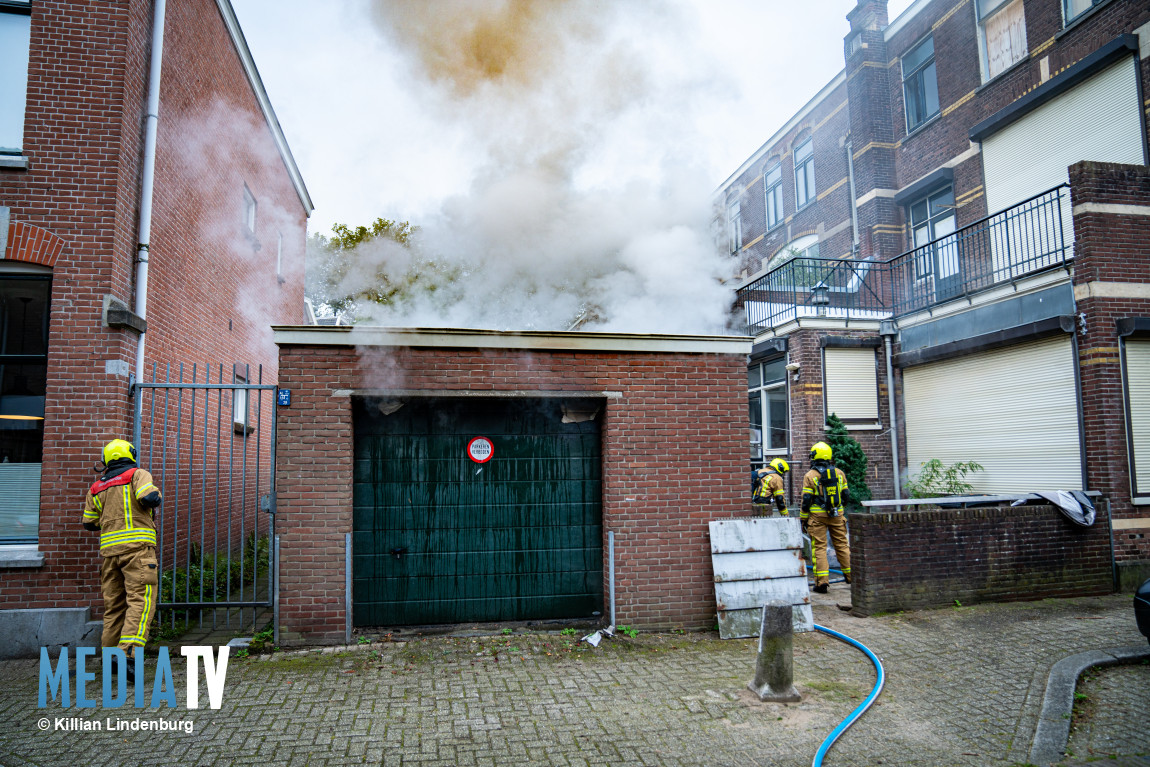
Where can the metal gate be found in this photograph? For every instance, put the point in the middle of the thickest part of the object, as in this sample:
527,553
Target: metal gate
207,435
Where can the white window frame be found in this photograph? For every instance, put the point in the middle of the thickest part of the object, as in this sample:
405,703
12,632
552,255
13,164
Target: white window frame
764,412
924,261
1067,19
1134,392
14,88
919,72
998,7
806,246
734,227
807,169
773,193
241,412
860,396
249,210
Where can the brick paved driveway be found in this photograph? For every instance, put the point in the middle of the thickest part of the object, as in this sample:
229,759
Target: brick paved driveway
964,686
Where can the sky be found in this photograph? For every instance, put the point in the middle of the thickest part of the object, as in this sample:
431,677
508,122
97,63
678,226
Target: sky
372,139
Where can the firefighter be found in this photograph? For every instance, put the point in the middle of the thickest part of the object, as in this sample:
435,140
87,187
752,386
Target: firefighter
769,486
824,493
120,505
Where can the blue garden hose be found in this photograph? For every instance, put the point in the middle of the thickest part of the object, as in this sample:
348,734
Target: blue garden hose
854,715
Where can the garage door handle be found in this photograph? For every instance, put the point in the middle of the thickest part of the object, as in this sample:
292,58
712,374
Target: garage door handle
399,552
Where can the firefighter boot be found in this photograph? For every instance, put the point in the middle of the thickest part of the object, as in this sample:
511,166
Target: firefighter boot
130,667
822,588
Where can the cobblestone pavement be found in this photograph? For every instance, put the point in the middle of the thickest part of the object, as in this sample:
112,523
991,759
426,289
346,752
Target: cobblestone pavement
1113,719
964,686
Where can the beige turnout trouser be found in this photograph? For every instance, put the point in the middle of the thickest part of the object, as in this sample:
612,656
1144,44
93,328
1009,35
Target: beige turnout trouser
819,525
129,583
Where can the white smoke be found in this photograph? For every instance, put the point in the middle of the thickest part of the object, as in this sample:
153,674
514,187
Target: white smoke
547,237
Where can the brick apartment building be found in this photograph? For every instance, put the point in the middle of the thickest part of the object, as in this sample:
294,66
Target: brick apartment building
227,232
965,206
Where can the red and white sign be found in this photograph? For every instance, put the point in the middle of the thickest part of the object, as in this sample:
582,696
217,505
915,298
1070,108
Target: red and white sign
480,450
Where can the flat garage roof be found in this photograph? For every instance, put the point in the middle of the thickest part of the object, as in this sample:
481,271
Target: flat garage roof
574,341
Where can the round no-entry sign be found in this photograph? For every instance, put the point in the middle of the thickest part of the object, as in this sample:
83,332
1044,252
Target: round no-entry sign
480,449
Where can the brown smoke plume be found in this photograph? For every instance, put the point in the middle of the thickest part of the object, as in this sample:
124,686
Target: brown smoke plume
547,236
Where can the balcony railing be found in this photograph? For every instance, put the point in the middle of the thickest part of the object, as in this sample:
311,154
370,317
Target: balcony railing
1034,236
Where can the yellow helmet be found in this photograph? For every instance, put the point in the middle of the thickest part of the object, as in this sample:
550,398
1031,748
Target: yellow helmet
779,465
117,449
820,451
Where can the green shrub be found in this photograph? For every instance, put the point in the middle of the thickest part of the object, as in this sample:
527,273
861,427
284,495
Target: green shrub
214,574
848,456
937,479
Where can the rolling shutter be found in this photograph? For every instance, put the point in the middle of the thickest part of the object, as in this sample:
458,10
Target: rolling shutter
1013,410
1138,401
851,388
1098,119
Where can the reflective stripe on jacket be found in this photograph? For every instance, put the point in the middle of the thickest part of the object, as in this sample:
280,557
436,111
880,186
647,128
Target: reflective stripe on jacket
114,506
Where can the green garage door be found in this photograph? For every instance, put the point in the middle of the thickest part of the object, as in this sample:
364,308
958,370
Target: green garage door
440,537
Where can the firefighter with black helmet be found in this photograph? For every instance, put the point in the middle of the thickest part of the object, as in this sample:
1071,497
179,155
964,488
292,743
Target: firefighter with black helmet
768,485
120,505
824,493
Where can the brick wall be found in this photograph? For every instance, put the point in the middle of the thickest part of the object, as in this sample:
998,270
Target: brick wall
1111,282
674,458
922,559
808,419
87,86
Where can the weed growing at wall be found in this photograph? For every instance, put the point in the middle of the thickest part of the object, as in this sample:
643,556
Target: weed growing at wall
213,577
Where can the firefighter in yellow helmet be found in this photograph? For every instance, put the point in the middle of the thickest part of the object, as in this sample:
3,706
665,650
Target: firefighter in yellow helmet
120,505
768,484
824,493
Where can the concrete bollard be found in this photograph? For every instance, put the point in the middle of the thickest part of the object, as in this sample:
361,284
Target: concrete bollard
775,671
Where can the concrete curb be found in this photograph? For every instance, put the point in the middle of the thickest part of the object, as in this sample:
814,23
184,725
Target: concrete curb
1053,730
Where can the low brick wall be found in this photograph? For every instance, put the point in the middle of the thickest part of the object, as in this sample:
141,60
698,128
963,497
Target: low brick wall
921,559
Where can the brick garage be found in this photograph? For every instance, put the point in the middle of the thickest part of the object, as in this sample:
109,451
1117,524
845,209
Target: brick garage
920,559
673,450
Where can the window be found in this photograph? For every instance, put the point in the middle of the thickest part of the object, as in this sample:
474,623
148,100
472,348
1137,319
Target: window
930,219
15,32
919,84
773,184
1072,9
767,394
1136,358
734,227
1002,35
803,247
850,383
240,416
804,173
249,210
24,302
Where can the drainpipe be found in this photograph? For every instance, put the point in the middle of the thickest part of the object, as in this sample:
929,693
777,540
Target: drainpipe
147,181
886,330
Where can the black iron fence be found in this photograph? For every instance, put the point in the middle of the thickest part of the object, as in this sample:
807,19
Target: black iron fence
816,287
1034,236
207,435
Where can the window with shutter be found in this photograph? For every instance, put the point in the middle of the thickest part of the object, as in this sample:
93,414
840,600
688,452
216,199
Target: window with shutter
850,386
